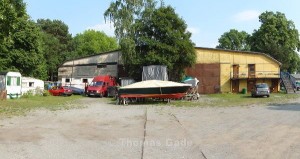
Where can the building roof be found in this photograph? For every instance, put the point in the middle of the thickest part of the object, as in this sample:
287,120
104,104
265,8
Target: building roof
246,52
205,48
102,53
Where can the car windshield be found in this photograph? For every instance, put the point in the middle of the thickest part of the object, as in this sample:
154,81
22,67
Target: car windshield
262,86
98,83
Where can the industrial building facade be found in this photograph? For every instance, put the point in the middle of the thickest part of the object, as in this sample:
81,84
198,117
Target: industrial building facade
79,71
222,71
218,71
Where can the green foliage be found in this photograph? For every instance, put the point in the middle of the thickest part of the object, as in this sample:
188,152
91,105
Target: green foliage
19,41
234,40
278,37
165,40
91,42
150,35
56,44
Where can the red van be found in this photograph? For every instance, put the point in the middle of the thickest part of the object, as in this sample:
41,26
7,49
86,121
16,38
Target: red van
99,85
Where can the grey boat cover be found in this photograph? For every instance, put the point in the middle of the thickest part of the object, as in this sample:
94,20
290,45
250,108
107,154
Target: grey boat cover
155,72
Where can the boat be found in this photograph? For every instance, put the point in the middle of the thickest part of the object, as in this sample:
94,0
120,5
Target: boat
154,89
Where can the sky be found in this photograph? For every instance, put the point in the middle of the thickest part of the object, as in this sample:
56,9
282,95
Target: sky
206,20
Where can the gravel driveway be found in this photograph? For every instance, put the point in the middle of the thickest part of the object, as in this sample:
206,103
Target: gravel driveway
102,130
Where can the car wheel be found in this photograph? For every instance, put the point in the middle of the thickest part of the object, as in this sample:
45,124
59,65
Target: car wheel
268,96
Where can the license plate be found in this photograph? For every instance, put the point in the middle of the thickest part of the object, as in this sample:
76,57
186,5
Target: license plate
92,94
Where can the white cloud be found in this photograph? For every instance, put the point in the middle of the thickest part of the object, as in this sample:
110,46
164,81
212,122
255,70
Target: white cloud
247,15
107,28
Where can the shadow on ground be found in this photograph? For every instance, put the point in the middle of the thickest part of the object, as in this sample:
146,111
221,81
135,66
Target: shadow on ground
287,106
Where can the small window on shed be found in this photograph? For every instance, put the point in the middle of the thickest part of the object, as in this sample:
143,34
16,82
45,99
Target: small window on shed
84,80
18,81
31,84
67,79
8,81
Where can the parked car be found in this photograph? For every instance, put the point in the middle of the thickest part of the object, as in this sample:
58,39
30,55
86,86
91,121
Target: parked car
75,90
260,90
298,86
60,91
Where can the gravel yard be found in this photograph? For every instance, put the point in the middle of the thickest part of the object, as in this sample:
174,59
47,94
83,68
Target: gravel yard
103,130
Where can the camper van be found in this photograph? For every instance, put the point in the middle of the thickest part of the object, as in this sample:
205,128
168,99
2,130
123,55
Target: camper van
99,85
10,82
32,85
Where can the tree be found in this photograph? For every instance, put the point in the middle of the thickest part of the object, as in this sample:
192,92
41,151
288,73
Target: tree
150,35
57,44
19,41
91,42
164,40
279,38
234,40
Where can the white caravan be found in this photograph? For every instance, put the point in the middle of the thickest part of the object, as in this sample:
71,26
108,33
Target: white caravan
32,85
11,83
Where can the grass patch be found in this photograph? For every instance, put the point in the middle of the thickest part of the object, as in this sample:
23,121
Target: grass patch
20,106
225,100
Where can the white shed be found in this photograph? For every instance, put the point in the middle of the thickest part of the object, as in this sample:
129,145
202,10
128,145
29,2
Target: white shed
32,85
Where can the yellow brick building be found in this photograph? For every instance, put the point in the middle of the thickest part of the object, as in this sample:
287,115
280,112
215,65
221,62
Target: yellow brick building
221,71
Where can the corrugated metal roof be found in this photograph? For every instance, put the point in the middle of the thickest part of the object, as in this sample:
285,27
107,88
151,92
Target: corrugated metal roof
246,52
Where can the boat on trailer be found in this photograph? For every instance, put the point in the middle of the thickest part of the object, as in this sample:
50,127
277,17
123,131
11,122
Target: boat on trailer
154,89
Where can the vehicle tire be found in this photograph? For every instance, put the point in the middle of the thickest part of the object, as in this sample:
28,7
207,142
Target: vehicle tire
101,95
268,96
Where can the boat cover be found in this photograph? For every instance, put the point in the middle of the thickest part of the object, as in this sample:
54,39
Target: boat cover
154,84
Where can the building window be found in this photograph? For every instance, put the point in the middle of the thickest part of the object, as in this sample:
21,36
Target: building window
13,81
31,84
251,70
67,79
84,80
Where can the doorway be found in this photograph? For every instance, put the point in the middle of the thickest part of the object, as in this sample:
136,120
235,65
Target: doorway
235,71
250,85
235,86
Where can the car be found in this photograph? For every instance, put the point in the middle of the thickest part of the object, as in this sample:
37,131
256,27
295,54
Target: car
60,91
75,90
260,90
298,86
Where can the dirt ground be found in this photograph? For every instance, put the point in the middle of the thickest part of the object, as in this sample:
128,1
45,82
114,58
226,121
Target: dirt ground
103,130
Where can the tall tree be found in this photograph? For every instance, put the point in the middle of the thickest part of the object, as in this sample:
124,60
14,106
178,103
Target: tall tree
163,39
56,43
91,42
279,38
19,41
234,40
150,35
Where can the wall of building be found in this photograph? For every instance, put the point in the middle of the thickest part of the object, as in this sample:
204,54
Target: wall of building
265,67
74,72
208,76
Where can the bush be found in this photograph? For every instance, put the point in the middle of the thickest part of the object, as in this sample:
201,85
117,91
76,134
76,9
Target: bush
28,94
46,93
